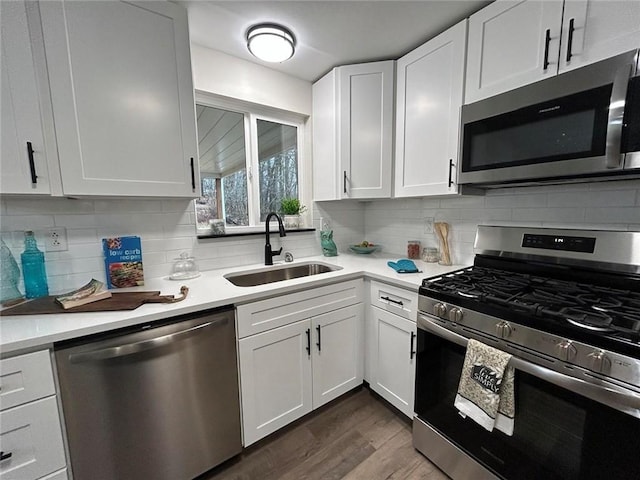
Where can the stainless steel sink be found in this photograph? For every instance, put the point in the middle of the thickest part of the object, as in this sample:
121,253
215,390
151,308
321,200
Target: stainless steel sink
278,274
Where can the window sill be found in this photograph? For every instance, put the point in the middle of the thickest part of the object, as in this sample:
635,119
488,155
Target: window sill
252,233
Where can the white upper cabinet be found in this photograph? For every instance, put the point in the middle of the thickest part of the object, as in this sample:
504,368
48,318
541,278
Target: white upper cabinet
25,145
352,132
508,44
122,94
514,43
430,86
594,30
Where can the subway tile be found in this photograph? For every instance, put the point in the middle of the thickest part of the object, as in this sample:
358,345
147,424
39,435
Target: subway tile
511,201
128,206
567,215
589,198
39,206
613,215
27,222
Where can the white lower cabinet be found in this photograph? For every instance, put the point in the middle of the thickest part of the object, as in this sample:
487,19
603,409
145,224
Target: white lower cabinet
275,373
287,371
30,432
391,338
393,366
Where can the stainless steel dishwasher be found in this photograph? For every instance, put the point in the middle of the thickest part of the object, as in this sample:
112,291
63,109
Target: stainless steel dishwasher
158,401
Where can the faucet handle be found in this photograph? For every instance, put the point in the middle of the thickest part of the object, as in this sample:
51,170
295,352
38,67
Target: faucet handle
276,252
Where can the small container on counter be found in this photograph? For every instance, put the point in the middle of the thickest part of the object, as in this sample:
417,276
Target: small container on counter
430,254
413,249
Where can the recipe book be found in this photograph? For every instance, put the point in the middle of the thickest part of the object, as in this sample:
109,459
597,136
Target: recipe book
123,261
91,292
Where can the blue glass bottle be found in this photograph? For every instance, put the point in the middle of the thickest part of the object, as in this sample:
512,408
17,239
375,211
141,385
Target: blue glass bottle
35,276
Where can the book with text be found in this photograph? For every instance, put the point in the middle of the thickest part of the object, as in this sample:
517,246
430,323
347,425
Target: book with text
91,292
123,261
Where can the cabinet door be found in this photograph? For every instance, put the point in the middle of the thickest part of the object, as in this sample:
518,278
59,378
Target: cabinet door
22,116
508,46
122,94
337,346
275,378
365,129
594,30
393,364
429,97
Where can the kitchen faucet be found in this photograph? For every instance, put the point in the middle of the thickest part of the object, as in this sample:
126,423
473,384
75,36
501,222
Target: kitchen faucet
268,253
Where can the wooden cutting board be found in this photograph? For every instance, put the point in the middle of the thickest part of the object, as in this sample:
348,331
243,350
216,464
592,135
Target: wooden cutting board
118,301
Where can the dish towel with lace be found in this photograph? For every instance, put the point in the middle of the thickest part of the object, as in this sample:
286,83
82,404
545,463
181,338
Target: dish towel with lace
486,389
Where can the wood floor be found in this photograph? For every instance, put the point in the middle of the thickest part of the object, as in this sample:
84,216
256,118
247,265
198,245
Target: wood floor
355,437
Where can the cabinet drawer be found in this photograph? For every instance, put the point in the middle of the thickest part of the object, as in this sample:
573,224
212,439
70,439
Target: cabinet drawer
393,299
25,378
31,434
278,311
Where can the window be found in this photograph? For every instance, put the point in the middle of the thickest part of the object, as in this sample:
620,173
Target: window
250,159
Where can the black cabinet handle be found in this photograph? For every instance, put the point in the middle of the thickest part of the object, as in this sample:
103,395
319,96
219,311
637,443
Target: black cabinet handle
547,40
344,182
193,175
397,302
32,163
450,172
5,456
309,341
570,39
412,352
319,339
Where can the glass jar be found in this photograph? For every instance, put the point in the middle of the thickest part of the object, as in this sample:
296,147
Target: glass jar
430,254
413,249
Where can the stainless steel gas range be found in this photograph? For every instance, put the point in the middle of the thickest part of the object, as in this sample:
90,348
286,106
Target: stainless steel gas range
566,305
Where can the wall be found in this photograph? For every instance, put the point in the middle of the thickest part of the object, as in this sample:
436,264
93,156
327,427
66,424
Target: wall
605,205
223,74
166,228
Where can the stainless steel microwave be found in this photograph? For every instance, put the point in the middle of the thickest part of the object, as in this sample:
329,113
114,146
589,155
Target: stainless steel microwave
575,126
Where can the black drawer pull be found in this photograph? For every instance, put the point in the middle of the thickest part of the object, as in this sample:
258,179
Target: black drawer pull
411,350
309,341
547,40
450,172
397,302
32,163
344,182
5,456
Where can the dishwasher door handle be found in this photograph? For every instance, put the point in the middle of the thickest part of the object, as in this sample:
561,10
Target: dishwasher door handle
136,347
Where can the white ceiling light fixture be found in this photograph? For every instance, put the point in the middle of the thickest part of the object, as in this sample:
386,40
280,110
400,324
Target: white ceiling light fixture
271,42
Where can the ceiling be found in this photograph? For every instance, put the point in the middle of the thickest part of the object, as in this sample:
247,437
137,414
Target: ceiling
328,33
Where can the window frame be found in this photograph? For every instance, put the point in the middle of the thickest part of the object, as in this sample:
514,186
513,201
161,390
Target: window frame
252,113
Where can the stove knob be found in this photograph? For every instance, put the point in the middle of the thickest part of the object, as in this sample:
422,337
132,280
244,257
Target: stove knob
599,362
439,310
503,329
455,315
566,351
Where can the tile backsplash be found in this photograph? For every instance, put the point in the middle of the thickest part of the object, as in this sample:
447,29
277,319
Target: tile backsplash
600,205
167,227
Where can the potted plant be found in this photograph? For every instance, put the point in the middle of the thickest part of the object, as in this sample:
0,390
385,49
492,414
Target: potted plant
291,209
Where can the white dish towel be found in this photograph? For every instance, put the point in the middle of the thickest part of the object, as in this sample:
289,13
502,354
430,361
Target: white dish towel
486,390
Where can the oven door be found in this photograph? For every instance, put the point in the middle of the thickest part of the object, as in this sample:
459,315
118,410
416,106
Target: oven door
559,434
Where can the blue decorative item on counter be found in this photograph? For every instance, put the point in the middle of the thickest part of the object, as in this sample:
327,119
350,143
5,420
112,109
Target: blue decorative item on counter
33,271
329,248
404,265
9,275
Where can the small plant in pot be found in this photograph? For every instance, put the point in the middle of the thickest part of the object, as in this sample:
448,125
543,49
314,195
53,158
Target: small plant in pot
292,209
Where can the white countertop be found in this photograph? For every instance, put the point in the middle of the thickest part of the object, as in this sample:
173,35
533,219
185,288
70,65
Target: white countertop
28,332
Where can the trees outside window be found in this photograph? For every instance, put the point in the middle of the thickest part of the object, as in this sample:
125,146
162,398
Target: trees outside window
249,162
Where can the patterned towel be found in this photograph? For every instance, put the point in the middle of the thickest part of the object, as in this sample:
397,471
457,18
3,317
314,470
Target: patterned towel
486,390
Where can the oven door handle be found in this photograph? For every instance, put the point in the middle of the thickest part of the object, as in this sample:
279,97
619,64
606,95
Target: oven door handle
608,394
